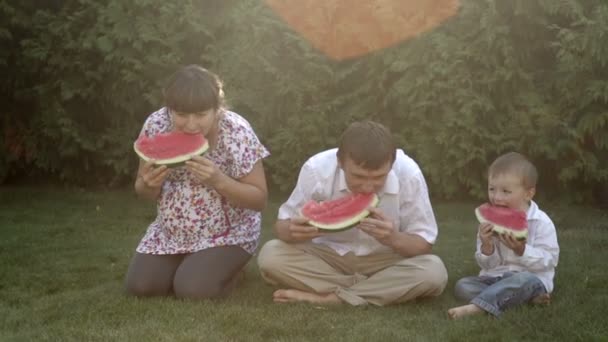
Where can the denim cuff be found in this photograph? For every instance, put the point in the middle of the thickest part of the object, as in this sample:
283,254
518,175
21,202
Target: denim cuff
485,306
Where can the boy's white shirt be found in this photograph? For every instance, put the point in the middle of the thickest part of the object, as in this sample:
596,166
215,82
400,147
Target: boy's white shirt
404,198
540,256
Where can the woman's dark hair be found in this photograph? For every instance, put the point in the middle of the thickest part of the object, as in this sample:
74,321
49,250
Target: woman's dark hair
193,89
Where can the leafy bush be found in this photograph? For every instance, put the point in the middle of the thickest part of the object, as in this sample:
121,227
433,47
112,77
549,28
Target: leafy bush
520,75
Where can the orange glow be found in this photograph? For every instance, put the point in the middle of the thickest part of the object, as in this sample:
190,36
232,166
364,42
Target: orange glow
344,29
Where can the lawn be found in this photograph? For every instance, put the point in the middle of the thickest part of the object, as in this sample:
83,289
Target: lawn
64,253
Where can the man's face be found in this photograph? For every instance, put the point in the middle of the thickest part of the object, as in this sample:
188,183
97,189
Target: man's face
362,180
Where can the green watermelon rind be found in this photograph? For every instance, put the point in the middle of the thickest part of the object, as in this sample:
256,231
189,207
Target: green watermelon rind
346,224
175,161
498,229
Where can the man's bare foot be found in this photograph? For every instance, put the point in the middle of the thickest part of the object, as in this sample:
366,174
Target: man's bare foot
465,310
542,299
291,296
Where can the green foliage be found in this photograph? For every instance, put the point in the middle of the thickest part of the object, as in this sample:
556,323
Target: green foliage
530,76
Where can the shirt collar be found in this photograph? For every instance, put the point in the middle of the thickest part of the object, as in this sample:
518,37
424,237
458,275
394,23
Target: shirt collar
533,212
391,186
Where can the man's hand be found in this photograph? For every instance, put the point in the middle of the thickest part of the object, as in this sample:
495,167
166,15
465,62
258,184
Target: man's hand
296,229
378,226
384,231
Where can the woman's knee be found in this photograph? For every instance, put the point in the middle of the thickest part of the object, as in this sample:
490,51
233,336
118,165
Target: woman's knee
194,290
150,275
139,287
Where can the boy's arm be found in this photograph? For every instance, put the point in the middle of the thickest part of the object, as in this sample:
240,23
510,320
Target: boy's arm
543,254
487,262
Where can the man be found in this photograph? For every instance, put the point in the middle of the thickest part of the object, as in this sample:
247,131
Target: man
386,258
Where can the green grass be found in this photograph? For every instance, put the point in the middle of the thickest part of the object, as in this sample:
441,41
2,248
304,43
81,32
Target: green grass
64,253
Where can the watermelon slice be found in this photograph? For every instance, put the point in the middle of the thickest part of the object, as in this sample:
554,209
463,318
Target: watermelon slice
504,220
339,214
171,149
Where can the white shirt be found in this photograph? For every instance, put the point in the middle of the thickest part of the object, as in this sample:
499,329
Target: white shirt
540,256
404,198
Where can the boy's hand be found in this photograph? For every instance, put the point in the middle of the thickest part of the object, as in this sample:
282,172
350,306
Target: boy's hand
485,235
517,246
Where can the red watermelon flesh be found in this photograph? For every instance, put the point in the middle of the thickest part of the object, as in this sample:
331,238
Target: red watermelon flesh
341,213
504,220
172,148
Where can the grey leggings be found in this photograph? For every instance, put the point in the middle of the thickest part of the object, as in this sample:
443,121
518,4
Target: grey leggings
210,273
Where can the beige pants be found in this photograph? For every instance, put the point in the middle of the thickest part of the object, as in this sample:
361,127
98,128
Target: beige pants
379,279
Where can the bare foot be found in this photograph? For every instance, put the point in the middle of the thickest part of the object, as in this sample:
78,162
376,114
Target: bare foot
465,310
291,296
542,299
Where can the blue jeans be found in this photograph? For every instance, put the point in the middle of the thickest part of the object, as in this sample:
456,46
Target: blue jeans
497,294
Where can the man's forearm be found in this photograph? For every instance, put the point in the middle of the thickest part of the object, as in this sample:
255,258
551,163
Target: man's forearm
410,245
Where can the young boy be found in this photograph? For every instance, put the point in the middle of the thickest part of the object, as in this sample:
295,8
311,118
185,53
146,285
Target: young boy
513,272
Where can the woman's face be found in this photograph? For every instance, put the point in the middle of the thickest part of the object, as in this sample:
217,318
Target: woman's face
194,123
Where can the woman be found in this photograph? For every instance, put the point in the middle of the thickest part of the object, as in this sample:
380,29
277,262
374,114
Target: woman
208,218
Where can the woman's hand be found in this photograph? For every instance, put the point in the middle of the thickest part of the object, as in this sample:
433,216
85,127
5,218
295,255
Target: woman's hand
150,178
153,176
205,171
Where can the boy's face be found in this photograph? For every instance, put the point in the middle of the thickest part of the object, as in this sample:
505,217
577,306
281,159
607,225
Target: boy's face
362,180
508,190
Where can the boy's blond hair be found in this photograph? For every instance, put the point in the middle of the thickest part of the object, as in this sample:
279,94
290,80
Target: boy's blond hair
517,164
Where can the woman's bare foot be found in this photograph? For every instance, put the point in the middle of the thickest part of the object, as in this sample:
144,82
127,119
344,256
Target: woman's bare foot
543,299
465,310
291,296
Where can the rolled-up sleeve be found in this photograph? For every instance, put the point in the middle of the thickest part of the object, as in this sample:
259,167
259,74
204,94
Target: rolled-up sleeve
487,262
543,254
416,213
302,193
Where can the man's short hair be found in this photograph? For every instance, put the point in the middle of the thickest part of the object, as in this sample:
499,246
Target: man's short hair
368,144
